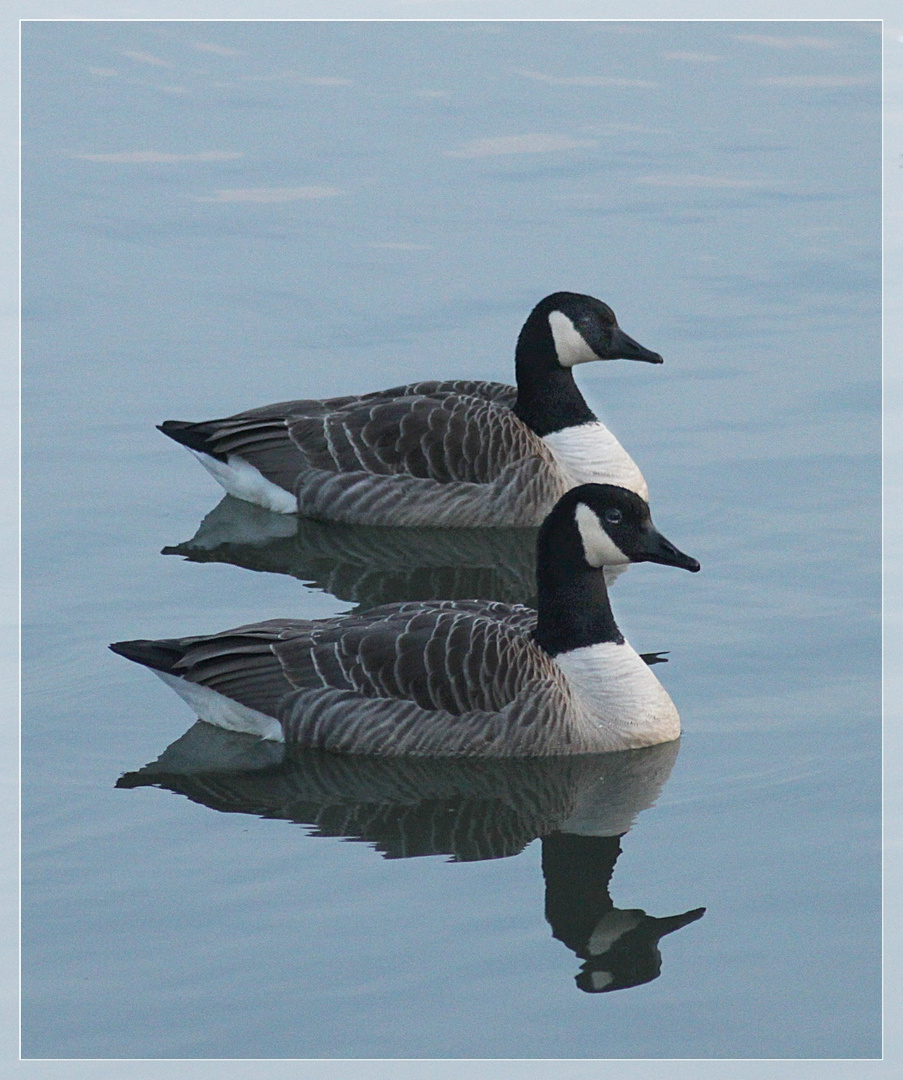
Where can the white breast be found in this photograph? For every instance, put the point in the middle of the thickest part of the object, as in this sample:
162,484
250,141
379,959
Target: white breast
589,453
622,699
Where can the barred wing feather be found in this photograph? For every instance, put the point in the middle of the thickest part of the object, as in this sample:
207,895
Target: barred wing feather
336,432
445,437
521,495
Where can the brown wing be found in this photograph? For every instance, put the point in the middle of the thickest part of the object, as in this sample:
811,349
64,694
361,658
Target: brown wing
455,656
447,431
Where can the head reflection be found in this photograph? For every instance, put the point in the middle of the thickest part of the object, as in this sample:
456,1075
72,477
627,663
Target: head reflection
619,946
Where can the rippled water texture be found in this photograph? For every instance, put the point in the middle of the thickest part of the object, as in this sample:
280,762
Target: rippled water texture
221,215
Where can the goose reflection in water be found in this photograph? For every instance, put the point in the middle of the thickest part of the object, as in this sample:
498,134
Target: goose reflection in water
578,806
369,565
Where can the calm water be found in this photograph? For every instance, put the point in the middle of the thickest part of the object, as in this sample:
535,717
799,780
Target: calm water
221,215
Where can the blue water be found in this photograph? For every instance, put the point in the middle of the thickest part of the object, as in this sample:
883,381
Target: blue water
220,215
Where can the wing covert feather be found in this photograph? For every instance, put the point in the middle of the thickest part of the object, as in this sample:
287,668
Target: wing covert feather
446,437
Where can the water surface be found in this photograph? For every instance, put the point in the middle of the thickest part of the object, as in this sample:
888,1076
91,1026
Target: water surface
220,215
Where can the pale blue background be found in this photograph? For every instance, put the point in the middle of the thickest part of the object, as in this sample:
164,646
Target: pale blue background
845,423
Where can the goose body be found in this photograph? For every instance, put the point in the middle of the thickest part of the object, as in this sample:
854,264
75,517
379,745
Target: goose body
440,453
464,678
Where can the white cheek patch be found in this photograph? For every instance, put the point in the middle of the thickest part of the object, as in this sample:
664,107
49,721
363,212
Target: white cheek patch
570,344
600,979
598,546
610,928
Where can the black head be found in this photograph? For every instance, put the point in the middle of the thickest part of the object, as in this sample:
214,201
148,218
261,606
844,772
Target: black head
575,328
592,526
565,329
632,958
605,525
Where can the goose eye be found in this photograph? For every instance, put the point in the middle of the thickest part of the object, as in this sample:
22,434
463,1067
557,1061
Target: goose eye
613,516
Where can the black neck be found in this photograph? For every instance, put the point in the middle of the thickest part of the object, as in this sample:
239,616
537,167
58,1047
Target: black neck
577,870
547,396
573,608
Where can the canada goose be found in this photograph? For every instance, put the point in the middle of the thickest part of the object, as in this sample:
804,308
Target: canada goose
467,677
453,453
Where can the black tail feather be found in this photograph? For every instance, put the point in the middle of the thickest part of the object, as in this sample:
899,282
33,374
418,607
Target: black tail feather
158,655
194,436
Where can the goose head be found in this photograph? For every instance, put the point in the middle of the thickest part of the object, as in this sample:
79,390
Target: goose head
568,328
563,330
590,527
596,525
